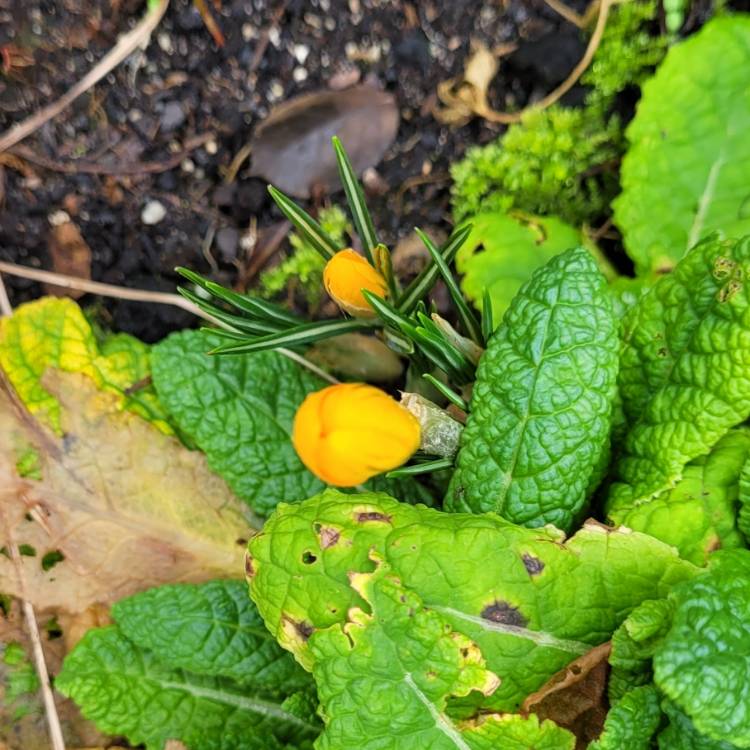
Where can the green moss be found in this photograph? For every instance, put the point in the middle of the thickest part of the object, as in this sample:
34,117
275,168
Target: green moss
304,267
544,165
557,161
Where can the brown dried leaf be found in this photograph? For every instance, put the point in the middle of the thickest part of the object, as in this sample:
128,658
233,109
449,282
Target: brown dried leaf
128,507
465,97
70,255
357,357
576,697
292,147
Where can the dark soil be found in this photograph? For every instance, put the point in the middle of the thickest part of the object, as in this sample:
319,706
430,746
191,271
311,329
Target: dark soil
152,108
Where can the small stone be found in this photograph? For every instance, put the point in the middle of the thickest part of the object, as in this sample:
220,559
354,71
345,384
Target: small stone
153,212
172,117
300,52
249,32
299,74
274,36
275,90
187,165
165,42
58,218
211,147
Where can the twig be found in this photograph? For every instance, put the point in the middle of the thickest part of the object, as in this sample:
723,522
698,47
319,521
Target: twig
84,167
265,38
5,307
125,46
567,13
53,720
139,295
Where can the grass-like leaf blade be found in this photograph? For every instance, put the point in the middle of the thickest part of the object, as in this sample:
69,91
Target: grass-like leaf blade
293,337
356,199
237,322
487,325
426,279
447,391
305,224
467,317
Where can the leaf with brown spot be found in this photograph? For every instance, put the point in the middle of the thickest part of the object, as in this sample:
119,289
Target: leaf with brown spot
576,697
128,507
292,147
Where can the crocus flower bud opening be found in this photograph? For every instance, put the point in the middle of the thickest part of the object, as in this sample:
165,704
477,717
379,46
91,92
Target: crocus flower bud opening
346,275
348,433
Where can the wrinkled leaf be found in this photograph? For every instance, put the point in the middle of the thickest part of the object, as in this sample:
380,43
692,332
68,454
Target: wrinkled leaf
685,173
129,691
703,663
632,722
684,370
530,601
699,515
292,147
542,401
379,691
211,629
128,507
681,734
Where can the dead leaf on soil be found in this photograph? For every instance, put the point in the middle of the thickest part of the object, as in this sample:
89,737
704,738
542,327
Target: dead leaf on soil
128,507
576,697
465,97
292,147
28,730
70,255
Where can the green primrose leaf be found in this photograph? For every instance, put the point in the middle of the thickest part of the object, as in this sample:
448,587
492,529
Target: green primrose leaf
503,251
378,691
685,173
209,629
542,402
632,722
681,734
530,601
239,411
698,515
128,691
685,370
703,663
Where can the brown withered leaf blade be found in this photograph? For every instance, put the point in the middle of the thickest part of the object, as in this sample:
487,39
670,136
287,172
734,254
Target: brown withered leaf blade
357,357
292,147
576,697
127,507
70,256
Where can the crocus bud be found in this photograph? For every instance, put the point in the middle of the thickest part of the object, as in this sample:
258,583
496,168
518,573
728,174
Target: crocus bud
345,276
350,432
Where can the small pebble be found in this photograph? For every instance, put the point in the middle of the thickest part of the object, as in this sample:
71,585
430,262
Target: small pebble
187,165
249,32
165,43
153,212
274,36
300,52
57,218
299,74
172,117
211,147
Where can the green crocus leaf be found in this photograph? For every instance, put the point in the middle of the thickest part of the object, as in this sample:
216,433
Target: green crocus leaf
703,663
699,515
385,676
695,113
542,402
239,411
632,721
684,370
531,601
209,629
128,691
503,251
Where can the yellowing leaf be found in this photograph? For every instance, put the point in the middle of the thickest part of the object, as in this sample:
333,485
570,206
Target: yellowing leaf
52,332
128,507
